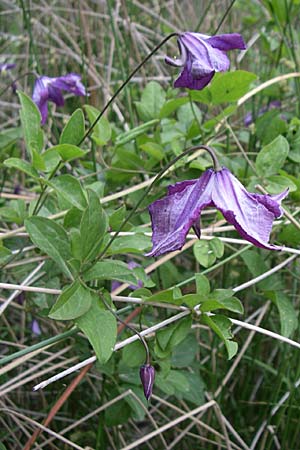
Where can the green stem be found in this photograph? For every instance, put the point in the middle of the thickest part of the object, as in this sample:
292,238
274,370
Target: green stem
41,344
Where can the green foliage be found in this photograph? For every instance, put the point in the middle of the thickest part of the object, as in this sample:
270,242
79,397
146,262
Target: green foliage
225,88
287,313
206,252
23,166
74,129
70,189
221,325
73,302
152,101
93,226
66,151
110,270
102,130
91,190
170,337
52,239
100,326
31,124
130,135
272,157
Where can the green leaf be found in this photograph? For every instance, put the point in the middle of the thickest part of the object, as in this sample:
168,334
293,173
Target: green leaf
203,96
206,252
38,160
171,336
257,266
9,136
202,284
102,131
152,101
184,353
231,304
172,295
230,86
93,226
73,302
52,239
134,354
74,130
118,413
23,166
173,383
111,270
221,325
278,183
130,135
272,157
100,327
5,253
67,152
269,126
31,124
196,392
70,189
153,149
172,105
137,243
290,235
287,313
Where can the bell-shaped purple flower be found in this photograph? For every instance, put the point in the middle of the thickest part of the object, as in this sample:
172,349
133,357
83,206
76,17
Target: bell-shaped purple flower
252,215
50,89
201,56
147,374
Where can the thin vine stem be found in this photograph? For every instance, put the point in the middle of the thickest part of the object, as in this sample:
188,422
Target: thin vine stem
111,100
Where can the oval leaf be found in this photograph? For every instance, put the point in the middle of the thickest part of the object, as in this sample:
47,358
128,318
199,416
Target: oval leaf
100,327
52,239
72,303
74,130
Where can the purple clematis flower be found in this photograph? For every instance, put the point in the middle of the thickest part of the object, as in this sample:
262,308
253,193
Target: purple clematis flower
252,215
201,56
147,375
6,66
50,89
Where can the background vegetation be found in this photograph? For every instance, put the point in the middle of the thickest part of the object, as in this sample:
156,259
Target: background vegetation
201,399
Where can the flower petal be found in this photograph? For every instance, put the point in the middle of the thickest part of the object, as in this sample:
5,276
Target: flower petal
173,215
178,62
55,95
204,55
186,78
227,42
251,214
70,83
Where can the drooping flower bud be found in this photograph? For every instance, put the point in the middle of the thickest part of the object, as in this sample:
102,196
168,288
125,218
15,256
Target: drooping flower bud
147,374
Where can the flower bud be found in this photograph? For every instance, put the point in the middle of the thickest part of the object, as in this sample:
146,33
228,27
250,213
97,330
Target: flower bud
147,374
